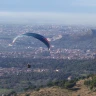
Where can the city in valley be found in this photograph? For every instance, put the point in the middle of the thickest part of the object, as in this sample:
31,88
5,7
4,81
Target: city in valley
64,40
67,42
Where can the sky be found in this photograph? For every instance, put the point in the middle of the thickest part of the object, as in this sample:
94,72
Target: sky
48,11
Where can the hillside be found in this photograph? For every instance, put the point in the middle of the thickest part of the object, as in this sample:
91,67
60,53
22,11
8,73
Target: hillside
78,90
81,41
53,91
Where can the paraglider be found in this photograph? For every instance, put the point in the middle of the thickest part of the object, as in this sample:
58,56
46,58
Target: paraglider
35,35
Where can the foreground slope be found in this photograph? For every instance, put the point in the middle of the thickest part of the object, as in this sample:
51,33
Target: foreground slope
78,90
53,91
82,90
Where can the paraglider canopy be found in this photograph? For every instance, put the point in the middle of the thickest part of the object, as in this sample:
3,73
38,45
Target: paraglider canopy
35,35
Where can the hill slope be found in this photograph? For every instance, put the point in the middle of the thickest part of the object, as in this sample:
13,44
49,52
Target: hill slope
82,41
79,90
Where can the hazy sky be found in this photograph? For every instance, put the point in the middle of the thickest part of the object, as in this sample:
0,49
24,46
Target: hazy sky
48,11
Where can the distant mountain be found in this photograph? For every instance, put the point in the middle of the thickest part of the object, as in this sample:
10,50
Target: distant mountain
82,41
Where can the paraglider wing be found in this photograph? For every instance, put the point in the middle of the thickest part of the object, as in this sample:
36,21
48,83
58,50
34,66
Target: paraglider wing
39,37
16,38
35,35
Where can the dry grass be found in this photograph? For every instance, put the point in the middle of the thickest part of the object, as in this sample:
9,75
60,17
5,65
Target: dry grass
82,90
53,91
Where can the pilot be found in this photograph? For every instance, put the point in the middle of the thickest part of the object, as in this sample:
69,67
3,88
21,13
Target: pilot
29,66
